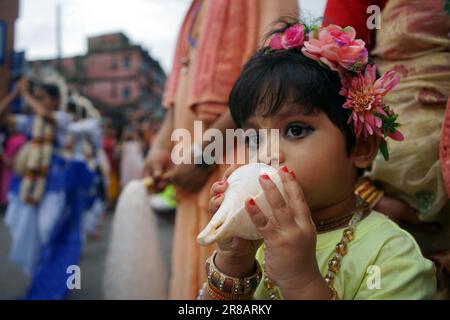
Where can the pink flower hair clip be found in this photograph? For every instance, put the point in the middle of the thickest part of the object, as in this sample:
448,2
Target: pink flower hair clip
292,38
337,49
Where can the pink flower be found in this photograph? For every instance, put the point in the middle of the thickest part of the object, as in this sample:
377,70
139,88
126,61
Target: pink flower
397,136
336,47
365,98
276,42
293,37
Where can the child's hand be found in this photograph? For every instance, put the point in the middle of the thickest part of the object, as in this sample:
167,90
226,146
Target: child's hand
236,256
290,239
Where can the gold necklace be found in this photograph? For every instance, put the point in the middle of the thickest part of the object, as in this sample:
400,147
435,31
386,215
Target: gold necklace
334,264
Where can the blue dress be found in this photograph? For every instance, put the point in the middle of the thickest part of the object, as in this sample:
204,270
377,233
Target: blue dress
46,238
90,129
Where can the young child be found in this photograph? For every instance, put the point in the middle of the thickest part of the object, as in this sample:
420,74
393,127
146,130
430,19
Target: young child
317,87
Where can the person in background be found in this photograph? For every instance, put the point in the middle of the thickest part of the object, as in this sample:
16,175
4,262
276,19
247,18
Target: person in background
109,145
215,40
131,156
14,141
413,39
86,136
11,141
46,198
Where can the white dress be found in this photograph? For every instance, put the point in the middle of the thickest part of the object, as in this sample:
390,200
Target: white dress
132,162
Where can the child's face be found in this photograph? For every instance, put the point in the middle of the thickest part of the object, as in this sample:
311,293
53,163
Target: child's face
314,148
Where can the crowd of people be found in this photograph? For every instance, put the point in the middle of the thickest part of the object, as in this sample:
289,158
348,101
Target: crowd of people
59,173
125,149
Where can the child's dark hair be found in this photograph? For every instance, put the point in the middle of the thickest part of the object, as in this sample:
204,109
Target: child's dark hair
271,79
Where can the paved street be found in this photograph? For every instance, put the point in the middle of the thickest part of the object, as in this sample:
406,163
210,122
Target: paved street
13,283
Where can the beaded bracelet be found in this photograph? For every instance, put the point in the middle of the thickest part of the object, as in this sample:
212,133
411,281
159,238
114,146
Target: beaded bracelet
231,286
216,295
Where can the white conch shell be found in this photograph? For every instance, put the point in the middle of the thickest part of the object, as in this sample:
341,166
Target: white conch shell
231,219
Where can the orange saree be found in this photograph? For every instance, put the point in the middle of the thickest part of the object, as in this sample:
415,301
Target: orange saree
227,32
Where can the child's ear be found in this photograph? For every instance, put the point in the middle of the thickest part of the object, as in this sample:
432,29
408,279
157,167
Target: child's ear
365,151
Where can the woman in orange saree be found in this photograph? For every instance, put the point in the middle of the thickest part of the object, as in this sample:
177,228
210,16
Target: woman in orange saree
215,40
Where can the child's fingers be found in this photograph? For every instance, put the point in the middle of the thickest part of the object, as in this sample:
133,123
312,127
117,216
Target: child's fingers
215,203
218,187
271,191
264,226
284,213
230,170
280,211
296,198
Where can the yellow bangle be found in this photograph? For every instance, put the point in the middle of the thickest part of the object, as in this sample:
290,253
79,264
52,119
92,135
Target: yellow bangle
367,191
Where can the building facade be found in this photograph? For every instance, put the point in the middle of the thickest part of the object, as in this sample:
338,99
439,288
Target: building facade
9,11
119,77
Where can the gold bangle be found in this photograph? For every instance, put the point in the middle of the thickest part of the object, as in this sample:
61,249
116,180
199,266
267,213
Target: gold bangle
230,285
367,191
216,295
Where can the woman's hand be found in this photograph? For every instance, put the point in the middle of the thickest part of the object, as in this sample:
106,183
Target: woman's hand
290,240
191,177
236,256
156,163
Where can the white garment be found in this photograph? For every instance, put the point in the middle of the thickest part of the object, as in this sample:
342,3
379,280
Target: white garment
134,265
92,217
31,227
132,162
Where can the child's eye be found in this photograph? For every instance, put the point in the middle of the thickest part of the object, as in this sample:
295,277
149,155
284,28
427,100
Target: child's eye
297,130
